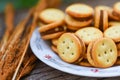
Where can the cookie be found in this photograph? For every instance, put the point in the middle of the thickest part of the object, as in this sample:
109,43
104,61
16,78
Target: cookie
52,30
51,15
103,53
89,55
113,32
85,63
80,10
114,23
101,19
116,9
89,34
54,41
118,45
118,52
54,48
118,61
76,23
112,15
69,47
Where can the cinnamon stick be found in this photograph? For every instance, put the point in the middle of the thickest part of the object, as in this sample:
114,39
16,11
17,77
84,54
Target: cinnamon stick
9,22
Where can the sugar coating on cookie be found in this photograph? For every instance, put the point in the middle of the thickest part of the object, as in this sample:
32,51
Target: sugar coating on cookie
104,52
69,48
51,15
79,10
89,34
113,32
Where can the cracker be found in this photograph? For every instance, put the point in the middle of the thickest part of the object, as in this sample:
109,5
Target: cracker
51,15
69,48
79,10
77,23
113,32
54,48
89,34
54,41
104,52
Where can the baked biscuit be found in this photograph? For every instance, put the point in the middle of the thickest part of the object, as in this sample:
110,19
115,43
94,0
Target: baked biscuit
85,63
113,32
76,23
89,34
51,15
52,30
116,9
69,47
54,41
54,48
101,19
103,53
80,10
114,23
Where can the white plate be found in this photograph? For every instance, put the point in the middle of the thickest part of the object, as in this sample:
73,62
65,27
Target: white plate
43,52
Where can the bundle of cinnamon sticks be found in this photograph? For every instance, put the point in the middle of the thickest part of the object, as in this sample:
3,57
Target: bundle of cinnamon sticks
16,57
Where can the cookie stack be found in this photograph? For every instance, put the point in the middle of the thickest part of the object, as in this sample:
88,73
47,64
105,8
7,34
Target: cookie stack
52,26
78,16
84,36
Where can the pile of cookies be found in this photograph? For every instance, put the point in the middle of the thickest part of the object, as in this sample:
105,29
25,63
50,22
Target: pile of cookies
83,35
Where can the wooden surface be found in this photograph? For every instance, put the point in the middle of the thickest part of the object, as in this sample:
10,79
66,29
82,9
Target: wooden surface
43,71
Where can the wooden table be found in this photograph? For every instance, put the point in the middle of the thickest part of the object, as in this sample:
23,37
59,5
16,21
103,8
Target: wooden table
43,71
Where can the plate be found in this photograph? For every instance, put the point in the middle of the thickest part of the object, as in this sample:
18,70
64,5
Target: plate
43,52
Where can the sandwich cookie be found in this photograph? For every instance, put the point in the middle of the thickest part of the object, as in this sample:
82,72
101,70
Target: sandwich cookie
114,23
113,32
84,62
54,41
54,48
70,48
109,11
52,30
102,53
75,24
51,15
101,19
80,10
89,34
116,10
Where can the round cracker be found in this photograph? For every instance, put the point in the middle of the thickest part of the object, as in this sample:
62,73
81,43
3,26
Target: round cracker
51,15
89,34
76,23
69,47
104,52
80,10
113,32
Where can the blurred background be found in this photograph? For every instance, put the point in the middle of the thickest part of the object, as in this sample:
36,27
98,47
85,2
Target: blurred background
25,4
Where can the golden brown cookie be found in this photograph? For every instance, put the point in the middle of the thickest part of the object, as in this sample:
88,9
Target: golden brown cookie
54,41
113,32
114,23
85,63
51,15
101,19
52,30
89,34
116,9
89,55
54,48
76,23
103,53
69,47
79,10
